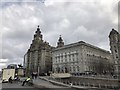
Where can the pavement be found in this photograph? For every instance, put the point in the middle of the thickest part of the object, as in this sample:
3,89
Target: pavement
42,83
45,82
15,85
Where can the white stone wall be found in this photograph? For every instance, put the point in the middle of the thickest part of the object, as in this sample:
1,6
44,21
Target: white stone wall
93,57
78,58
69,58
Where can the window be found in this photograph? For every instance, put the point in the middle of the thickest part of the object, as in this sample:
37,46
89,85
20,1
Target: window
116,56
70,69
66,60
115,62
73,59
115,50
73,68
69,56
65,56
77,68
73,55
77,58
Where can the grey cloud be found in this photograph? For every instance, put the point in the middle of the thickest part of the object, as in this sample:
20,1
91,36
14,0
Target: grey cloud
74,21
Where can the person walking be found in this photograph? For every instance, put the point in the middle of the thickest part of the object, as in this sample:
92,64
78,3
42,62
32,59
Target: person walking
32,76
35,75
10,79
26,81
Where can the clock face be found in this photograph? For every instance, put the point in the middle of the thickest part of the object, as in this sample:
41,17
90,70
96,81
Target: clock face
39,38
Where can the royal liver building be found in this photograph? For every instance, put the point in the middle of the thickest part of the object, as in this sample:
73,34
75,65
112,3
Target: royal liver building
38,57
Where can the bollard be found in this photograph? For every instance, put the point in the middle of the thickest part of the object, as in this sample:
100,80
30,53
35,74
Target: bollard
83,84
67,82
99,86
71,84
112,86
105,86
75,83
88,84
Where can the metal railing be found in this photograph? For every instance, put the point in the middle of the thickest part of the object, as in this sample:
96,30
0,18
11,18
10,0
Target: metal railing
85,84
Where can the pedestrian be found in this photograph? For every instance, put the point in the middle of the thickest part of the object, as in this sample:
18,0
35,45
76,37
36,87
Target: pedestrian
35,75
10,79
32,76
26,81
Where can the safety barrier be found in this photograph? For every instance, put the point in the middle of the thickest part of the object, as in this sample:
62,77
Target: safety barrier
84,84
78,84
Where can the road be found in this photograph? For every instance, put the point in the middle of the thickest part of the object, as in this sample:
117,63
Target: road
51,86
15,86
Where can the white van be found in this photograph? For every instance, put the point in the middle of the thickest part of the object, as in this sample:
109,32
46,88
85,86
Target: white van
7,73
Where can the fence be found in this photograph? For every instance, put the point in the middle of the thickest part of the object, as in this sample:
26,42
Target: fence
87,84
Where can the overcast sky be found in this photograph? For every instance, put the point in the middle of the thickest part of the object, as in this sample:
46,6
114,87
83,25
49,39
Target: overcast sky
87,20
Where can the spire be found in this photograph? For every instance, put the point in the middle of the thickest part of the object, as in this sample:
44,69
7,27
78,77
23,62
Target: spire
38,30
60,39
38,35
114,31
60,42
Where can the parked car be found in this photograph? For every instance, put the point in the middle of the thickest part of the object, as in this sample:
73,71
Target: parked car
90,73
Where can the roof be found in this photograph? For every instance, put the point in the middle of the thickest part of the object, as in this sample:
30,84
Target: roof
113,32
78,44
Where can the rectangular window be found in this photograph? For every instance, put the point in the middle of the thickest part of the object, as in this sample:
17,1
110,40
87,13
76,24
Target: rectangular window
73,59
77,68
70,69
115,50
73,68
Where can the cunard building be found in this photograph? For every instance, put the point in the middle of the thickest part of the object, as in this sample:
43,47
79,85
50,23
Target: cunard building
38,57
80,57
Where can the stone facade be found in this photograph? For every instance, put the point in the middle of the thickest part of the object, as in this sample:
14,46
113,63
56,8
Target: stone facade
38,57
80,57
72,58
114,38
60,42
